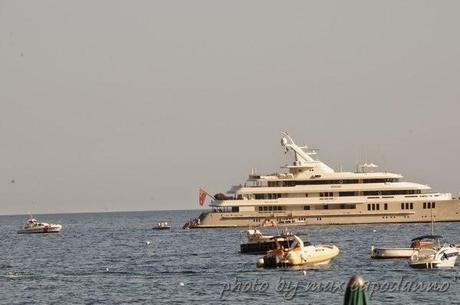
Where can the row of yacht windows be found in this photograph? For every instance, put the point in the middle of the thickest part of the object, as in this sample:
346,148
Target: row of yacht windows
341,194
407,205
267,196
392,192
404,206
410,205
336,181
309,207
270,208
376,206
329,207
234,209
370,207
429,205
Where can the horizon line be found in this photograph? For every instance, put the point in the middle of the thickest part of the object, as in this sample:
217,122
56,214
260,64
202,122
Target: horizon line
99,212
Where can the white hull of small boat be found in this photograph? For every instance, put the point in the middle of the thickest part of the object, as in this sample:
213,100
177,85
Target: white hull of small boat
313,255
163,225
52,228
389,253
445,257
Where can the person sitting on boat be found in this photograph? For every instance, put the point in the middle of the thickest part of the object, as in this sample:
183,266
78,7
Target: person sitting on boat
257,234
285,232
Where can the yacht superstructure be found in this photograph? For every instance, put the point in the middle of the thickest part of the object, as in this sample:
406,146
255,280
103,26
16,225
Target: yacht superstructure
311,193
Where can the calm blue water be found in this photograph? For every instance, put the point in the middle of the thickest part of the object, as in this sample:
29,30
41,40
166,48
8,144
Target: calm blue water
104,259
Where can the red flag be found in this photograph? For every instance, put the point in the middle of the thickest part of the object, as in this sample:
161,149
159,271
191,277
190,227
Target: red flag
202,197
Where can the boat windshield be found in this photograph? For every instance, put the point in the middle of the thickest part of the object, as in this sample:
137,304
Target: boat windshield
296,243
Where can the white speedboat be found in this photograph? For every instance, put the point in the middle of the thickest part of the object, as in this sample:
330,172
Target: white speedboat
444,257
422,242
34,226
298,254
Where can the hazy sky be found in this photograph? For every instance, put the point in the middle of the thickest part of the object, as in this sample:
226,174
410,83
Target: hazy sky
133,105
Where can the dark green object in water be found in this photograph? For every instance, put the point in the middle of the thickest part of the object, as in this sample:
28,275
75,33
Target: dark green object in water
356,296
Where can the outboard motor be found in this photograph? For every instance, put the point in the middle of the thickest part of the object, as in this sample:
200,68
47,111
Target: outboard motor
268,262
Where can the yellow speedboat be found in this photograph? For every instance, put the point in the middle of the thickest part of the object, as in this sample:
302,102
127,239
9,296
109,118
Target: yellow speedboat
298,254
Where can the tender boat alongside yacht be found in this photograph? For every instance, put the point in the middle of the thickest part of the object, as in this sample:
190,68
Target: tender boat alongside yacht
34,226
298,254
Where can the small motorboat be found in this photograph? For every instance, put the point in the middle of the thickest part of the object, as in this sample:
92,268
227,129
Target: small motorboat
421,242
298,254
34,226
258,243
192,223
162,225
444,257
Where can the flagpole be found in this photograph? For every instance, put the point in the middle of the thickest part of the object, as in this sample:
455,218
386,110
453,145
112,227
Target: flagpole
208,194
211,196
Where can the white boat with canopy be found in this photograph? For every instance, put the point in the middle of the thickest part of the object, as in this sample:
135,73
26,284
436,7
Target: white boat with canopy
421,242
444,257
34,226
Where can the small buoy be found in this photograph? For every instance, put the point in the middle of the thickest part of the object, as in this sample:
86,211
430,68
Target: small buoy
107,269
374,231
181,284
148,242
304,273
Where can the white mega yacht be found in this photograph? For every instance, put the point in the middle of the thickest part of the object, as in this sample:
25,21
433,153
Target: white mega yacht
311,193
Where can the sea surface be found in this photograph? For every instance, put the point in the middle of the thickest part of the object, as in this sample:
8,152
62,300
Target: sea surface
116,258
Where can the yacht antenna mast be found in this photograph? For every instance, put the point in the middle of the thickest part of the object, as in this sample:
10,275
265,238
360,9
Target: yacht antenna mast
303,155
300,155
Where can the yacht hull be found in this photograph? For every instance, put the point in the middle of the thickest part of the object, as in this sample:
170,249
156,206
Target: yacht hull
446,211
